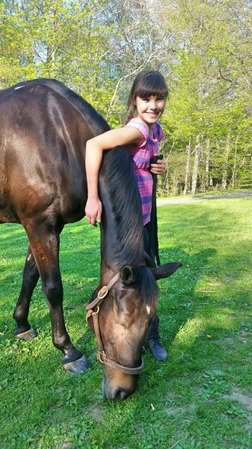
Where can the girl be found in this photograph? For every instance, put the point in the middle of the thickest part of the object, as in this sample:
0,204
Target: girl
146,104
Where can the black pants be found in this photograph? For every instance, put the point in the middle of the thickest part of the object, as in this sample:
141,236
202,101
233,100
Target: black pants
153,333
154,323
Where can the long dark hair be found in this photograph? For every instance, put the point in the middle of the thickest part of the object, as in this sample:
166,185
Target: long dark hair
146,83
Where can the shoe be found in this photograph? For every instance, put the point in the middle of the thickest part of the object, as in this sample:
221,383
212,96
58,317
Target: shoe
157,349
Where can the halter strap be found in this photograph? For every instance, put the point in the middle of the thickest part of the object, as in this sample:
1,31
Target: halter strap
93,310
102,293
101,356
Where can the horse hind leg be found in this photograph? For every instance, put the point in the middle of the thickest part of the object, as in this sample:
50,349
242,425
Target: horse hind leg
30,278
45,248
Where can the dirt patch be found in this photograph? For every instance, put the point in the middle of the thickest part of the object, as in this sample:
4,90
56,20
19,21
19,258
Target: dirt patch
246,401
242,398
96,413
172,411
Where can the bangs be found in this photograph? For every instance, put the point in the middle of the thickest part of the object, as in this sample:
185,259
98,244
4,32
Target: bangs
148,91
152,84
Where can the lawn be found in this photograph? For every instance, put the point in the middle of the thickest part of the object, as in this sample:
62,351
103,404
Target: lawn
201,398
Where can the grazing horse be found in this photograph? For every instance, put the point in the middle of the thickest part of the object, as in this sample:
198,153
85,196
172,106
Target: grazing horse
44,129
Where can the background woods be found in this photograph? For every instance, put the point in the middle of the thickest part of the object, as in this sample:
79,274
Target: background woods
204,48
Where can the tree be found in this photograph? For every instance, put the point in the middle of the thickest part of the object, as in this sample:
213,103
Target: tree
211,84
203,47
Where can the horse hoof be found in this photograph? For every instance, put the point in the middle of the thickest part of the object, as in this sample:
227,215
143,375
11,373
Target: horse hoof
27,335
78,366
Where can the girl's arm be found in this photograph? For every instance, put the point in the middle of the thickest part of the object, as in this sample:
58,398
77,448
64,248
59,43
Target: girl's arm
94,152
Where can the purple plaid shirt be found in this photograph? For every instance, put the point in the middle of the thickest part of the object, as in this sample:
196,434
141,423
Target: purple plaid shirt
141,157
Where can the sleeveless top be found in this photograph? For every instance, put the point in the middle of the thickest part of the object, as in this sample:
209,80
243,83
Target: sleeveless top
141,159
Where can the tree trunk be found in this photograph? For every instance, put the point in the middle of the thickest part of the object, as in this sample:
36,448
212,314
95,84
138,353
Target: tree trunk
187,169
166,180
207,180
195,168
234,174
225,162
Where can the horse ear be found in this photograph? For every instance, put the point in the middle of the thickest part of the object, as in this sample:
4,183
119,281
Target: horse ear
149,261
127,275
166,270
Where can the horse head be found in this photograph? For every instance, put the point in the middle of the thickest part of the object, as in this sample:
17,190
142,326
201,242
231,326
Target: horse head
119,315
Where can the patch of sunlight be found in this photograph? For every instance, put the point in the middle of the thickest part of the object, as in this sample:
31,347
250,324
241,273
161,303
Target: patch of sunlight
11,263
194,328
12,231
208,286
190,331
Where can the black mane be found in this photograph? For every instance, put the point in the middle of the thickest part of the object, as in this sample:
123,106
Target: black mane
121,200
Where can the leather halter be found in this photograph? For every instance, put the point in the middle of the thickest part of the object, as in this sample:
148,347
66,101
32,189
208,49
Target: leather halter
93,310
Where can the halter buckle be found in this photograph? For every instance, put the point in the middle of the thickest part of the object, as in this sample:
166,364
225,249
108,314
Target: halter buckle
101,356
103,292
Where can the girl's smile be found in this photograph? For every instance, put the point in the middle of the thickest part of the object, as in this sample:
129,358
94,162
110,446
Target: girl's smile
149,109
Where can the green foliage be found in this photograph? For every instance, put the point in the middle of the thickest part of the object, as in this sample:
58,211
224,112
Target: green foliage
209,101
200,398
96,47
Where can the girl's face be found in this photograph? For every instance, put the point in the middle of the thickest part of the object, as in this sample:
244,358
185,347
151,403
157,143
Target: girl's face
150,109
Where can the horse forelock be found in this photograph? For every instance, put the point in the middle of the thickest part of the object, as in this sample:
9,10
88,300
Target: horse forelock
146,283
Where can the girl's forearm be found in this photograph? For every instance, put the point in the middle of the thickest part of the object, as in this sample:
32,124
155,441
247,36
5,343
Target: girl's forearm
93,164
107,141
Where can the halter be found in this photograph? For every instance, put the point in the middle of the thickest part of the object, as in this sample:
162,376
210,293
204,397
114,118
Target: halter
93,310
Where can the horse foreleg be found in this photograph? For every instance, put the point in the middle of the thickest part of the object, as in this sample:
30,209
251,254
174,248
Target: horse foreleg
21,312
45,248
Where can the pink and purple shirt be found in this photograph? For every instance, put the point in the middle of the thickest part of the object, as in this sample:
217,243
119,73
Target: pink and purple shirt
141,157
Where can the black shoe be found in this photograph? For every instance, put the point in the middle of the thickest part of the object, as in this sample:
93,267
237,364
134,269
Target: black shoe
157,349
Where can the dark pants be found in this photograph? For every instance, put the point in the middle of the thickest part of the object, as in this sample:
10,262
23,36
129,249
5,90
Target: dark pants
152,333
154,323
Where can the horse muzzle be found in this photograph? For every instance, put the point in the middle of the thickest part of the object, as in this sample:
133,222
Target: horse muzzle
119,387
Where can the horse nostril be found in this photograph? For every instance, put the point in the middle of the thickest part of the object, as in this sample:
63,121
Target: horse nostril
120,394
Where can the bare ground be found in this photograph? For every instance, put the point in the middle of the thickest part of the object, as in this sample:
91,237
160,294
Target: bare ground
193,199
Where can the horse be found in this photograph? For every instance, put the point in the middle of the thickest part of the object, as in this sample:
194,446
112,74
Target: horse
44,129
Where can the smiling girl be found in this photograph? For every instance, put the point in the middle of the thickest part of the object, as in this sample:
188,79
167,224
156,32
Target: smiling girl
142,133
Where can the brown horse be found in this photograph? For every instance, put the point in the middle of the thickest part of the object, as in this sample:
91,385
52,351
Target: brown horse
44,128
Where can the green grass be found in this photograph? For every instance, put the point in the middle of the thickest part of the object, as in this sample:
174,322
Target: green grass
200,399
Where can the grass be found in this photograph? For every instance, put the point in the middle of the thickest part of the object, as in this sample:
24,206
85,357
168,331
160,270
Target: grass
200,399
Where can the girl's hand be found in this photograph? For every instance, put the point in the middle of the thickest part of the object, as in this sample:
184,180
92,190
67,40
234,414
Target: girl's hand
158,168
93,210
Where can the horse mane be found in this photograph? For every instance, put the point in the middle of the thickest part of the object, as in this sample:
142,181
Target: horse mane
120,196
97,123
122,205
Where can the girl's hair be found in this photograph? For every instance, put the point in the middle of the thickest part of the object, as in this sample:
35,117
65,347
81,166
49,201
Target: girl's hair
146,83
